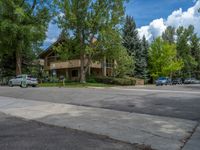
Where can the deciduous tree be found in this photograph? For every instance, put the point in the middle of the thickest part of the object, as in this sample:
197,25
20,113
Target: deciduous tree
162,59
23,25
94,26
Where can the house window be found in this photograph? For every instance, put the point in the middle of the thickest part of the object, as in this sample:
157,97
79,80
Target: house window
109,63
74,73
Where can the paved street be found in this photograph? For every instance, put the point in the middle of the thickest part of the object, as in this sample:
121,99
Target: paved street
164,117
179,102
18,134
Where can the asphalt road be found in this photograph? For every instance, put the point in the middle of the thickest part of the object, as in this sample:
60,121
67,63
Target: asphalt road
171,101
18,134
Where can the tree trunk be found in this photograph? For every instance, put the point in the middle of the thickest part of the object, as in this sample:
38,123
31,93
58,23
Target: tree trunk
104,67
18,63
82,69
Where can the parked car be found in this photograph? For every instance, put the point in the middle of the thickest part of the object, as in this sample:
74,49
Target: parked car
163,81
23,81
177,81
191,81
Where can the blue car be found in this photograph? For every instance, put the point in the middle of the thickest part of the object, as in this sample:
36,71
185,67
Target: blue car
163,81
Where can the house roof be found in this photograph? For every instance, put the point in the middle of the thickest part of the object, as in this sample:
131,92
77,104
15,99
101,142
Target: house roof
60,39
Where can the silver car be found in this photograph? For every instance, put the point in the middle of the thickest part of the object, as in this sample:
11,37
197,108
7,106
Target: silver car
23,81
191,81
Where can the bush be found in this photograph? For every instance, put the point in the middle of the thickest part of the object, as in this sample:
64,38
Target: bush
91,80
116,81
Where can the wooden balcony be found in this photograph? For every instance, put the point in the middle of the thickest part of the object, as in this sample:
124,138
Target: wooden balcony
69,64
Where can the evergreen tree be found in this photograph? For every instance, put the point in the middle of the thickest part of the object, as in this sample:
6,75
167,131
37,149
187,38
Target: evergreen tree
169,34
195,52
130,36
135,47
145,47
130,39
184,50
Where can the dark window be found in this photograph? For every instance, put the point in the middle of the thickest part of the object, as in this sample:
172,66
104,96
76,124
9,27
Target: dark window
74,73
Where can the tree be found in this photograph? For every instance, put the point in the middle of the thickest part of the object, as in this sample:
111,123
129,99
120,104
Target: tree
162,59
130,36
195,52
7,65
184,50
135,47
145,48
169,35
124,64
130,40
23,26
94,26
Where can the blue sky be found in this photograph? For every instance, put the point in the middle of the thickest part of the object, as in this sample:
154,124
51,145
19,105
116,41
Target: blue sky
146,14
144,11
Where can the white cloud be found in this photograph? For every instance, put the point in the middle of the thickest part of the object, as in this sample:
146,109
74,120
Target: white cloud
51,40
154,29
176,19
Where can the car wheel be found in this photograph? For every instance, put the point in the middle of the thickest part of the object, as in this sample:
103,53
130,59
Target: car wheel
23,85
10,84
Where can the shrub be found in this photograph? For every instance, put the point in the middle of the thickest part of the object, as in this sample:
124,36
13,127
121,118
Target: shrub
91,80
116,81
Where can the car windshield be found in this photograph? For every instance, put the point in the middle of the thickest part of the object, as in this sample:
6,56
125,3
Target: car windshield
30,76
19,76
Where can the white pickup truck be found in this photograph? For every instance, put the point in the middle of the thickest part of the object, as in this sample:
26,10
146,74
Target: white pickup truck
23,81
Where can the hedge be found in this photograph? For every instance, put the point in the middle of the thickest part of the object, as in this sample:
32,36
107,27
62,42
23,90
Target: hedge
116,81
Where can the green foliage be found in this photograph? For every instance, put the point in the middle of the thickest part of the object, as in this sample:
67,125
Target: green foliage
184,52
93,26
130,36
162,59
124,64
23,26
116,81
188,49
169,35
195,53
137,49
142,67
7,65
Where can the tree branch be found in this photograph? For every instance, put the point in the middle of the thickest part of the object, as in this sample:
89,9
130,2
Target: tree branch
33,6
22,3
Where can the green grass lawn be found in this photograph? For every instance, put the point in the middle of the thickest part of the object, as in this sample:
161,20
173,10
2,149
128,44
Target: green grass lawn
75,84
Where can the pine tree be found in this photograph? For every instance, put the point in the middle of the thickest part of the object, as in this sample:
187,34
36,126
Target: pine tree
130,36
195,52
169,34
184,50
136,48
145,47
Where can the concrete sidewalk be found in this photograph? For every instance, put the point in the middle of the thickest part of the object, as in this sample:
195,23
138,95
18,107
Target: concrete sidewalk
162,133
194,142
